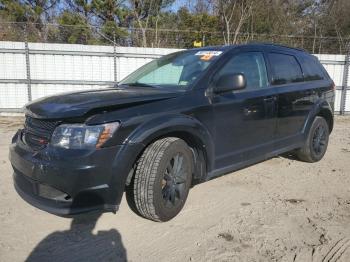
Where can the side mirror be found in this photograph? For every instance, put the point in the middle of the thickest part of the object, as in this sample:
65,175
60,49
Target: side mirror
230,82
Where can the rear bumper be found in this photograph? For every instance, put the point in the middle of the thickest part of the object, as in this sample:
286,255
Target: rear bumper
68,182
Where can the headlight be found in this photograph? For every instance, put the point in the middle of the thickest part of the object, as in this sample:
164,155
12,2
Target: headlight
80,136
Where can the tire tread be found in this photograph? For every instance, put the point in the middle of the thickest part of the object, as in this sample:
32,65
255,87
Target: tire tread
145,176
304,153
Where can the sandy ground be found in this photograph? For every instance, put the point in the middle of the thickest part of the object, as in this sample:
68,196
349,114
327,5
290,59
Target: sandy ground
278,210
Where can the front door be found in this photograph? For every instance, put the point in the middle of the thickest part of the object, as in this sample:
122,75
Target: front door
245,120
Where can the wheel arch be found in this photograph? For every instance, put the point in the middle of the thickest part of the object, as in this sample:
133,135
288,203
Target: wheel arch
186,128
323,109
200,154
328,116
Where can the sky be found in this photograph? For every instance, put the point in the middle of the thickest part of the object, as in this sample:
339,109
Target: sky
178,4
174,7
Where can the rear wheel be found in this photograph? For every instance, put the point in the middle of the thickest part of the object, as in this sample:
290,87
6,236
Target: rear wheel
316,143
162,180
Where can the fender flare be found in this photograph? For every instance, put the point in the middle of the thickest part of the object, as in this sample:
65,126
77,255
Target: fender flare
183,126
321,107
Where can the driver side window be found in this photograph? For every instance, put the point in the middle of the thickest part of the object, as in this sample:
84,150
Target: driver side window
252,65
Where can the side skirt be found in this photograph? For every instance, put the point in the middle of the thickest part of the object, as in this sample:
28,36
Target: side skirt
249,162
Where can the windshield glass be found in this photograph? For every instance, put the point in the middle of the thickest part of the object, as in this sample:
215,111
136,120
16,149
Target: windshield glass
177,70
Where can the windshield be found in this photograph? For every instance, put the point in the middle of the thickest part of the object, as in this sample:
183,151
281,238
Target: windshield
177,70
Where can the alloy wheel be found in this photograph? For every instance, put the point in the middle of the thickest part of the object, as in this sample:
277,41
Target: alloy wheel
174,181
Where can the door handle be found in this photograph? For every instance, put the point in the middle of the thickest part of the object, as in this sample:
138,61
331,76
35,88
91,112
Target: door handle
247,111
251,110
310,92
270,99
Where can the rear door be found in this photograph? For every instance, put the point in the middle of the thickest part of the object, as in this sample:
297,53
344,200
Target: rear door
295,98
245,120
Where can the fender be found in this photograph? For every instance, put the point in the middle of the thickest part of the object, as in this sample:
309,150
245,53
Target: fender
320,105
151,130
186,126
123,162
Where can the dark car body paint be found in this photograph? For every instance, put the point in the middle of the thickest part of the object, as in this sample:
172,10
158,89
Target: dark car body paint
231,130
77,104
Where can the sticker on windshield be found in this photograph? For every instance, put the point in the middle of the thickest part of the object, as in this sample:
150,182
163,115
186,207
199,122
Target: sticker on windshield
207,55
211,53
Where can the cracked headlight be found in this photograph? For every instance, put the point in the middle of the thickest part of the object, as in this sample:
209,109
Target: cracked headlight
80,136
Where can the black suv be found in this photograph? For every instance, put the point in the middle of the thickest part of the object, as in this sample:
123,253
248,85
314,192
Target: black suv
175,122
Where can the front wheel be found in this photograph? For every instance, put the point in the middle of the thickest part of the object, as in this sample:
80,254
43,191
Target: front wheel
316,143
162,180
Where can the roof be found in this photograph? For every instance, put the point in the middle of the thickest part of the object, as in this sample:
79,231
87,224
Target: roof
257,44
216,47
276,45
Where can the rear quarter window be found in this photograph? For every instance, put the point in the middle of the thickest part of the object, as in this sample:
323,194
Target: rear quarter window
312,69
285,69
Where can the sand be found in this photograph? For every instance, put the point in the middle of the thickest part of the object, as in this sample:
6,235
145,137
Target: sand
278,210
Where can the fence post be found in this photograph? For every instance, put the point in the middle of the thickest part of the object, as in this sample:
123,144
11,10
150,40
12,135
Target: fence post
26,46
115,59
345,85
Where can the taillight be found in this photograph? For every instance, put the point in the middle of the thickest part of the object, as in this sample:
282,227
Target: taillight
333,87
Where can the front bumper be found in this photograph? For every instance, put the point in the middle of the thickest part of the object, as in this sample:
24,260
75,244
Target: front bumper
68,182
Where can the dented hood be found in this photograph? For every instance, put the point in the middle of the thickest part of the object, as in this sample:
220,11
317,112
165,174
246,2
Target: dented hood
78,104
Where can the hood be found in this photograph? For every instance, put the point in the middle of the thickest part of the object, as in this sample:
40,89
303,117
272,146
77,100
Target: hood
78,104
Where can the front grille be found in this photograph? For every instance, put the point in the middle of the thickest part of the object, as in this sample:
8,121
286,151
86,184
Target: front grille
37,133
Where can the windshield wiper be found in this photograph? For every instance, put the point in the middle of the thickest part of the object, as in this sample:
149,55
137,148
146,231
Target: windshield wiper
141,84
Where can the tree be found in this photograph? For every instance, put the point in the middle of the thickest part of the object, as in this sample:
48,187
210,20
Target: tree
317,25
74,29
142,11
234,13
82,7
335,21
111,16
198,27
32,13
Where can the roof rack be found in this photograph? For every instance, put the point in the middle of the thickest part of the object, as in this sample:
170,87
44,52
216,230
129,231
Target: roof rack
278,45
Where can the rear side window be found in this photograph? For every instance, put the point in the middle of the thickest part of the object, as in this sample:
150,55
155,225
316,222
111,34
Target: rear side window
312,69
285,69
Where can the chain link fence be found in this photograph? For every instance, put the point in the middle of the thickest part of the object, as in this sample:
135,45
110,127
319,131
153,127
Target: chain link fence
38,60
158,37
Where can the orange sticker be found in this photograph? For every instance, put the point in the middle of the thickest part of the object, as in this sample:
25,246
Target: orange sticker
206,57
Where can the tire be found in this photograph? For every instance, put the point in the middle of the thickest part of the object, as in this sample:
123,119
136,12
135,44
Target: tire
162,180
316,143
